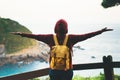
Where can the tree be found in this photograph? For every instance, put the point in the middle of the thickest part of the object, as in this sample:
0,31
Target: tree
110,3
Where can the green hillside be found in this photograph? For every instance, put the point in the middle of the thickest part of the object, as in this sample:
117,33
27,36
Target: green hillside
12,42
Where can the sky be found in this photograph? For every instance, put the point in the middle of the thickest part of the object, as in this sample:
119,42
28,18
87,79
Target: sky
40,16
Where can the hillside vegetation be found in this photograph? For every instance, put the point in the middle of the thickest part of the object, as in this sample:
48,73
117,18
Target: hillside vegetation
13,43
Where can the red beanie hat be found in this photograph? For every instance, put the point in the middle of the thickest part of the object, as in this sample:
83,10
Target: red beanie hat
61,26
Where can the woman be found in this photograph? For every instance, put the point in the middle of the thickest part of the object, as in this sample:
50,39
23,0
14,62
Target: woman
61,29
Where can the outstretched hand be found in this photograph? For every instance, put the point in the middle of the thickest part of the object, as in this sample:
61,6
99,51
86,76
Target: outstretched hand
105,29
16,33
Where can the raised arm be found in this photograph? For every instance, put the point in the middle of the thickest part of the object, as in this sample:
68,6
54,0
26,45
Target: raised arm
47,38
92,34
73,39
24,34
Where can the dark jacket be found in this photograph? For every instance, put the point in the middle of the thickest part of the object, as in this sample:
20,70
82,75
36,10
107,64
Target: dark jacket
61,30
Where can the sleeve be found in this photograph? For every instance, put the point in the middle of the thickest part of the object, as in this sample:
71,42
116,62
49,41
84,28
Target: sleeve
89,35
74,38
46,38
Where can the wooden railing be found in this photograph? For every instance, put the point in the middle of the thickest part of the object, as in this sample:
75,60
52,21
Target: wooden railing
107,65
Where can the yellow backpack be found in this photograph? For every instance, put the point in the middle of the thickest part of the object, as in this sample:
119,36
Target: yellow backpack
60,59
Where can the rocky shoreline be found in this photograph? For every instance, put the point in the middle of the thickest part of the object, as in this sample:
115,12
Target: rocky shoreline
33,53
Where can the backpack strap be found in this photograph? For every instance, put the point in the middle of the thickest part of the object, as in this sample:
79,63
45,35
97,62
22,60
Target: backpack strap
56,40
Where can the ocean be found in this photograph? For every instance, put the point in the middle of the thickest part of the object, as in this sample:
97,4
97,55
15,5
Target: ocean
92,51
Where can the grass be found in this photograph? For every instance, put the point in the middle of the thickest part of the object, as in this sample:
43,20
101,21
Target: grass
78,77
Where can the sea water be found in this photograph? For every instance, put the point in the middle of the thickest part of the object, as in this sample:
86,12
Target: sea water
92,51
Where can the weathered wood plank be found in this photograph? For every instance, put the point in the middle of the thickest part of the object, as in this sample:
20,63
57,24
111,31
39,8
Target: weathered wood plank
27,75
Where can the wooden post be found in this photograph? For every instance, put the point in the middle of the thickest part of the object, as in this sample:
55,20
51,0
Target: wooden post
108,68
